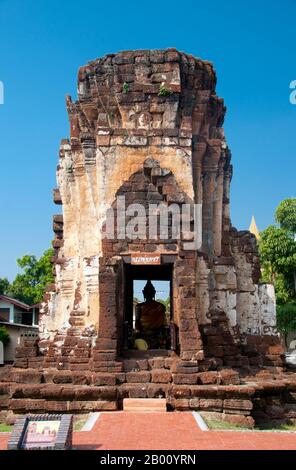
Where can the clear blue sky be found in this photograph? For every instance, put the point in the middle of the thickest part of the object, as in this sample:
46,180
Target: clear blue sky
42,44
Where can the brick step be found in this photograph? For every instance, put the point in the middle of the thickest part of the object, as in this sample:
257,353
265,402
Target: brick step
143,390
223,377
30,405
107,366
151,353
63,392
144,404
141,364
155,376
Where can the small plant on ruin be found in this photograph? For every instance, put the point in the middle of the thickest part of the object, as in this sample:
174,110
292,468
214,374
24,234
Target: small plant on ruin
164,91
125,87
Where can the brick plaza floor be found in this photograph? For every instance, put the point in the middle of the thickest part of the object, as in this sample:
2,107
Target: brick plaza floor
169,431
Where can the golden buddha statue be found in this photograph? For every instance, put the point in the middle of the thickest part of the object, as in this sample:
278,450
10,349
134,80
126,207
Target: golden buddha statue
150,317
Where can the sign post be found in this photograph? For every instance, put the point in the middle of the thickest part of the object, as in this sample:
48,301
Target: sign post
42,432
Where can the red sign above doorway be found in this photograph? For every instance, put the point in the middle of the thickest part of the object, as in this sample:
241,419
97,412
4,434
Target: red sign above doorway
145,258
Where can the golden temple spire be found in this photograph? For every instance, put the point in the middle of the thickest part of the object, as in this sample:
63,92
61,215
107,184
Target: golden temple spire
254,229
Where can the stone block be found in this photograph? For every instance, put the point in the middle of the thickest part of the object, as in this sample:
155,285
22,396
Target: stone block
142,364
137,391
228,377
194,404
239,420
104,355
103,379
185,378
210,404
235,405
211,377
180,391
25,352
26,376
156,363
183,367
161,376
180,404
157,390
138,377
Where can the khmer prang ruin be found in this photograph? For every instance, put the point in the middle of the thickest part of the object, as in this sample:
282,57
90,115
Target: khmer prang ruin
146,141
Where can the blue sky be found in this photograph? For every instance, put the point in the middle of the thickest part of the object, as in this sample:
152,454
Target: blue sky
42,44
162,289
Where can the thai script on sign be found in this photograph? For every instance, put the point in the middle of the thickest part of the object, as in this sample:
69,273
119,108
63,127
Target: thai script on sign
142,258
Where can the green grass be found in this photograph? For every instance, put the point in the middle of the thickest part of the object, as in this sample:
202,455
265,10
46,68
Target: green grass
217,424
5,427
79,422
276,427
223,425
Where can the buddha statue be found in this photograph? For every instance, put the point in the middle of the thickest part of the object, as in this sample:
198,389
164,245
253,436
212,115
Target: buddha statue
150,318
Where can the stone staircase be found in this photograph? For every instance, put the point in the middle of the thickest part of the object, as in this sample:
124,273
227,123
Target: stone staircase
207,385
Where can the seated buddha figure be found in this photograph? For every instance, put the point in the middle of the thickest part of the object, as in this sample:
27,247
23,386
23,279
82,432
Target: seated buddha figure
150,318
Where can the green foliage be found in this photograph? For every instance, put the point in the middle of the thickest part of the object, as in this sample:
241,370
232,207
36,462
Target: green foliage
4,336
278,250
286,318
284,288
29,286
164,91
125,87
4,285
285,214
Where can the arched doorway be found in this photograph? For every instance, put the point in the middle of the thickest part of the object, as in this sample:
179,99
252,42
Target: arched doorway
176,265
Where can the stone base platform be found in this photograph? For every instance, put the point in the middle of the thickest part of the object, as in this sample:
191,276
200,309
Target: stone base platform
267,394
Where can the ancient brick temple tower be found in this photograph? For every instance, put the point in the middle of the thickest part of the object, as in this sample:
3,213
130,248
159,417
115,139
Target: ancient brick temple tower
147,125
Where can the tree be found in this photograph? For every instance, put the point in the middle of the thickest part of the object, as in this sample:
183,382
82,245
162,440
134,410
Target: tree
4,336
278,252
4,285
285,215
286,319
29,286
277,249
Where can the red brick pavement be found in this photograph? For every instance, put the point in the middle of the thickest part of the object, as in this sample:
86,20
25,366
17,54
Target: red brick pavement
172,431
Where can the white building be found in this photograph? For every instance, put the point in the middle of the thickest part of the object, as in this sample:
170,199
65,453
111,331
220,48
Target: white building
21,322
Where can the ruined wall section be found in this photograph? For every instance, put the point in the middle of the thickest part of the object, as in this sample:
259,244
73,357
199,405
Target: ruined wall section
255,303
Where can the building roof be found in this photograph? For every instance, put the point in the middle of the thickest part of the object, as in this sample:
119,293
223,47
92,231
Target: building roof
18,303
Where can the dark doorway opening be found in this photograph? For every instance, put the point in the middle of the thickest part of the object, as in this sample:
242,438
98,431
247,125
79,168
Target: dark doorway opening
139,316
